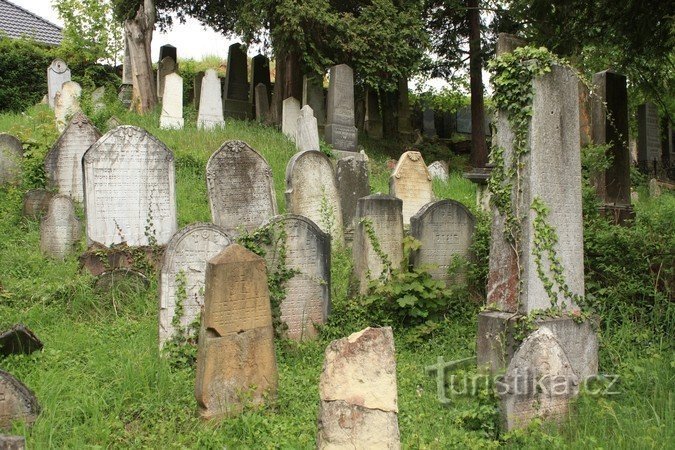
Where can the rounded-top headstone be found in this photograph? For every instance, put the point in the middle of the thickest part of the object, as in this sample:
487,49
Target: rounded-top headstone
57,74
11,153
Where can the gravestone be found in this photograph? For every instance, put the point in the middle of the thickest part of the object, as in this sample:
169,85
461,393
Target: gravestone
172,103
383,215
57,74
210,103
353,183
260,75
240,187
300,244
60,229
66,103
11,154
463,121
169,51
98,99
438,170
19,340
17,402
312,95
236,364
311,191
411,182
340,131
507,43
12,442
445,231
358,406
429,124
63,163
404,124
36,203
236,103
165,66
373,118
125,94
649,139
289,117
181,281
307,131
262,105
129,189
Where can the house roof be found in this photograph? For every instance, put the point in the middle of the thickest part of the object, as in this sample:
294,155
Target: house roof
17,22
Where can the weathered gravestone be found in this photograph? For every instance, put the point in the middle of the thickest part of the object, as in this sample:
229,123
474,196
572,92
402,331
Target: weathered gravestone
168,50
507,43
36,203
129,189
358,406
463,121
373,118
236,364
340,131
66,103
236,103
172,102
197,88
299,245
60,229
11,154
377,217
445,231
57,74
63,163
353,183
17,340
429,123
307,131
311,191
289,117
411,182
312,95
210,102
438,170
12,442
260,75
181,281
165,66
649,138
17,402
241,188
98,99
262,104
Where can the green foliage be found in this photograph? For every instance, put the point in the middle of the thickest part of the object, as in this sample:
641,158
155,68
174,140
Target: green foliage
23,65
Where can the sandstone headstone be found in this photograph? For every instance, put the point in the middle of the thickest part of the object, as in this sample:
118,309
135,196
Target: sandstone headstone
649,138
63,163
262,105
181,281
172,102
340,131
57,74
306,250
166,66
353,183
36,203
12,442
60,229
17,402
373,118
197,87
311,191
19,339
312,95
358,406
241,188
290,115
307,131
236,103
411,182
236,363
11,154
260,75
129,189
438,170
384,214
210,102
66,103
445,230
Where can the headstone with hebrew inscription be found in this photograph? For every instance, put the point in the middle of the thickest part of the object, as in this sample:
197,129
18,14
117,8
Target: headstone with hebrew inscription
312,95
290,111
311,191
67,103
172,102
307,131
63,163
236,103
300,244
57,74
649,139
129,189
60,229
166,66
236,364
36,203
240,187
353,183
11,154
340,131
262,105
411,182
17,402
210,102
181,281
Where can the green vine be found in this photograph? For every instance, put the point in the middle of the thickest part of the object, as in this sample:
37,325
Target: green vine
387,265
181,348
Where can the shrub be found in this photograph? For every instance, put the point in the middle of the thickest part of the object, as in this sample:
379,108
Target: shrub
23,65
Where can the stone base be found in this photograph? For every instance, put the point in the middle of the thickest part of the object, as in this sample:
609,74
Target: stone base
496,342
341,137
620,214
237,109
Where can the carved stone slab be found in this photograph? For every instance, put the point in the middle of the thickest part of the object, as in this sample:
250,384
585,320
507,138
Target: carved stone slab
411,182
11,154
17,402
57,74
172,102
60,229
210,102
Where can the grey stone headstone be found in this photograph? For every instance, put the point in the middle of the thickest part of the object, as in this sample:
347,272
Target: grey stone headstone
311,191
463,121
11,154
262,105
181,281
507,43
166,66
125,94
236,103
445,231
289,117
411,182
353,183
340,130
168,50
60,229
307,252
129,189
97,99
57,74
649,138
210,102
312,95
36,203
307,131
438,170
63,163
429,123
17,402
19,340
240,187
172,103
260,65
67,103
373,118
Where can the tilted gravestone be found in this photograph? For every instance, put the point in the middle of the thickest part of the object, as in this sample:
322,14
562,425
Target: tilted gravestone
19,340
340,131
311,191
236,364
411,182
60,229
36,203
301,246
63,163
210,102
445,231
240,187
378,217
67,103
312,95
57,74
307,131
165,66
260,65
358,393
129,189
353,183
11,154
649,138
438,170
181,281
262,104
17,402
172,102
289,117
236,103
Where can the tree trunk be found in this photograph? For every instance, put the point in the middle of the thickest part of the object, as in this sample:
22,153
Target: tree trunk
293,78
479,155
139,34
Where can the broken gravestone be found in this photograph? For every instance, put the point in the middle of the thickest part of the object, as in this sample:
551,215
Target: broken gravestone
60,229
411,183
11,154
19,339
17,402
